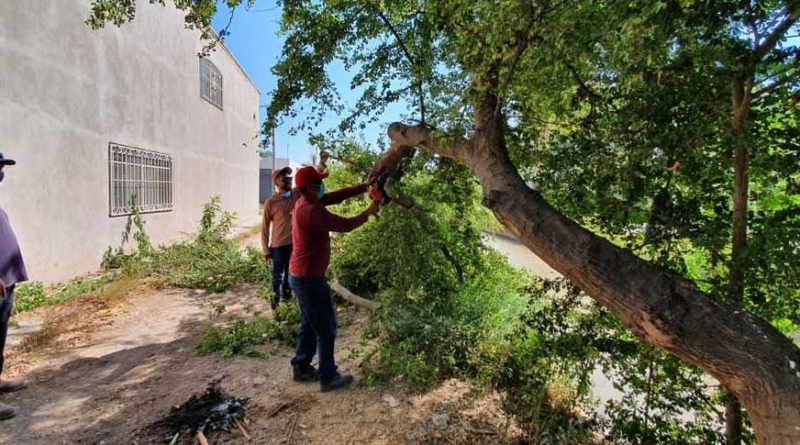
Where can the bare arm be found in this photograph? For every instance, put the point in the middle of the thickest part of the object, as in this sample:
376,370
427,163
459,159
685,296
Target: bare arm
339,196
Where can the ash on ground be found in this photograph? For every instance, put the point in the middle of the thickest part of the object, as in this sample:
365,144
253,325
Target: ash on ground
209,412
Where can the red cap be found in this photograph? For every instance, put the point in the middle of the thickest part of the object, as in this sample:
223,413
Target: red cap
282,171
306,176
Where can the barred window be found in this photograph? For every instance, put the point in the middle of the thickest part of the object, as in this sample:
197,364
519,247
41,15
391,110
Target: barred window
139,179
210,82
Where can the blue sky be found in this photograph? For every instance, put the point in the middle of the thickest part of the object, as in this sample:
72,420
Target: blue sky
255,42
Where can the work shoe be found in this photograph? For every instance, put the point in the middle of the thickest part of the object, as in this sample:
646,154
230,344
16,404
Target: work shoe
7,411
340,381
309,375
12,385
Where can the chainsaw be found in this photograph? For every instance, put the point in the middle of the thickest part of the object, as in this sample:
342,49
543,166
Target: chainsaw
378,193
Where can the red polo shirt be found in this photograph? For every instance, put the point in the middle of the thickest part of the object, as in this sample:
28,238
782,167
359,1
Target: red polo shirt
311,227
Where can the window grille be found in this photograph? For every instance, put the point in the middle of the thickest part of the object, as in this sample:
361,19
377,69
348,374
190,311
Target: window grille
210,82
139,179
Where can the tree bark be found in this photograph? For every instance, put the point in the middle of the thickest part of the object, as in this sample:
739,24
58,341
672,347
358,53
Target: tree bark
742,99
750,357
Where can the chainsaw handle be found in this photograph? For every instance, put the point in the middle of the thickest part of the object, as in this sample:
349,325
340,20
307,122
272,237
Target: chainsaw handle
373,179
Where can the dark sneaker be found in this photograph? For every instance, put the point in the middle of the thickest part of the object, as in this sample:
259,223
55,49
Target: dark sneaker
7,411
305,376
340,381
11,385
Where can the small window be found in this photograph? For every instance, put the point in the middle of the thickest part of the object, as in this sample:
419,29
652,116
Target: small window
210,82
140,180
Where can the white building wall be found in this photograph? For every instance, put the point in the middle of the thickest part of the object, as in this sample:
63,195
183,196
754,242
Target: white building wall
66,91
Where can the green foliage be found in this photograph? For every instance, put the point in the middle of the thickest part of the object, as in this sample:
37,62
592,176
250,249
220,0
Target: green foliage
211,260
241,337
284,324
598,99
29,296
433,324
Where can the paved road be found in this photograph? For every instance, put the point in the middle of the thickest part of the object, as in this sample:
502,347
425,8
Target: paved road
520,256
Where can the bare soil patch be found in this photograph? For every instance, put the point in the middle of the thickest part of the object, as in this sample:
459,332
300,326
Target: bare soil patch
107,370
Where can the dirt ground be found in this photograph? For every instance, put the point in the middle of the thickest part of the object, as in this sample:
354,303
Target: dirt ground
113,369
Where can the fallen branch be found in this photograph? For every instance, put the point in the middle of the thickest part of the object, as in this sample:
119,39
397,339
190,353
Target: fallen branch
291,430
243,430
353,298
201,438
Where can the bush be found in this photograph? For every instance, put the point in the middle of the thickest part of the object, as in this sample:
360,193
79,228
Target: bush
29,296
211,260
284,324
241,337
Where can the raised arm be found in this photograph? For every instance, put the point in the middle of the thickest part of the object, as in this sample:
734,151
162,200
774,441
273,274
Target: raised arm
339,196
323,220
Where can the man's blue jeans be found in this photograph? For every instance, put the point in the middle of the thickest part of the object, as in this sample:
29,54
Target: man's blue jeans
317,327
6,304
280,273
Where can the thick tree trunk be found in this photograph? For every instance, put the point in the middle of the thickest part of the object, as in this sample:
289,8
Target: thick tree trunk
733,419
759,364
742,98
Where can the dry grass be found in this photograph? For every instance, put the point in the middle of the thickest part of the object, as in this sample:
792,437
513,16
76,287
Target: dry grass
252,231
69,323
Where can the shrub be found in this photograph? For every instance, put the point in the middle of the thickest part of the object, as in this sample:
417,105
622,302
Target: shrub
211,260
284,324
241,336
29,296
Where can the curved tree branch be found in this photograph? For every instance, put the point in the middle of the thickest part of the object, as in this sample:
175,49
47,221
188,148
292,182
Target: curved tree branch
792,14
759,364
793,77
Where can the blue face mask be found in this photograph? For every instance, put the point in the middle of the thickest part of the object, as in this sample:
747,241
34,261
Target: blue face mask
287,195
321,191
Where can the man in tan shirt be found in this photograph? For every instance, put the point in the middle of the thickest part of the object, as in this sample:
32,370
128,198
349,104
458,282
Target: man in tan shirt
277,243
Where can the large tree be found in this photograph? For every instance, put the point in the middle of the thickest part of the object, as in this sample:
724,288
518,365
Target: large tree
480,71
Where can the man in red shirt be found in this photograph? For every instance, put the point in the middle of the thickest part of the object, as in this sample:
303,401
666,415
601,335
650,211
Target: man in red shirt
311,227
277,243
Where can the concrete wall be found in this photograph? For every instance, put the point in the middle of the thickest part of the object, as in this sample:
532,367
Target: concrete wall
67,91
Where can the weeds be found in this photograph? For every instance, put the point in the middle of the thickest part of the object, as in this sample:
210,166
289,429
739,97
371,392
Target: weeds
211,260
284,324
241,337
29,296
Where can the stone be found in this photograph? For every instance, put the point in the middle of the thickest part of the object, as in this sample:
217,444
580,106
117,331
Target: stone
259,381
440,420
394,403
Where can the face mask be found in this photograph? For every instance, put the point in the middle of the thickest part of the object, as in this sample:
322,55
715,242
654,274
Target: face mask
287,195
321,191
2,175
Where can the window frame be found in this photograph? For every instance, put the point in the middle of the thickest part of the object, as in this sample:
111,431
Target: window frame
208,73
149,174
